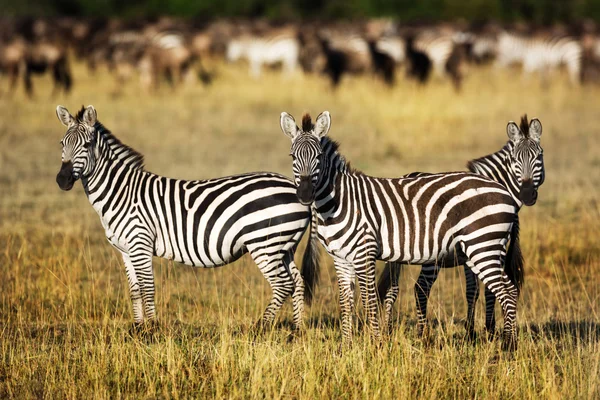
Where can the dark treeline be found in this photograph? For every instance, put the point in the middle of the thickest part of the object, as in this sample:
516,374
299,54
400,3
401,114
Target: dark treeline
536,11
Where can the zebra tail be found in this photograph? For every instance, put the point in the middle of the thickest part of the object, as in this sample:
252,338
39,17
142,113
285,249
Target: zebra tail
310,261
385,280
514,258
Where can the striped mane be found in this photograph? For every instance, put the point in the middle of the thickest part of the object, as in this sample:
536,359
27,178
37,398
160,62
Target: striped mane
327,143
122,152
502,154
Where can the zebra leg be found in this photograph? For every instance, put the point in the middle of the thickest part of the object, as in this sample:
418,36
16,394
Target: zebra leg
298,294
134,290
496,280
281,282
490,316
472,296
140,255
346,275
366,283
392,293
427,277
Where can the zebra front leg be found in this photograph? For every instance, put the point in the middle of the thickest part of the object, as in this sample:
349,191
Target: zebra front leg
366,283
472,296
427,278
490,315
134,290
141,259
392,272
346,275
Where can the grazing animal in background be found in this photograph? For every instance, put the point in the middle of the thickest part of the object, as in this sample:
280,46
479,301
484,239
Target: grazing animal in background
437,218
281,48
43,56
204,223
419,64
383,64
12,59
519,167
351,54
540,54
393,46
168,55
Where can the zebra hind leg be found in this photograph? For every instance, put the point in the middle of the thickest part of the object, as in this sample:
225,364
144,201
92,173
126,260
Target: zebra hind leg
472,290
281,282
427,278
499,284
490,316
298,294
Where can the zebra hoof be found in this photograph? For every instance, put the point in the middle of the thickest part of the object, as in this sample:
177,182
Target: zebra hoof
144,329
509,344
471,335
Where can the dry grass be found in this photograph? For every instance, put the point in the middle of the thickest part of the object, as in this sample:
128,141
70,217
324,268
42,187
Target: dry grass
65,313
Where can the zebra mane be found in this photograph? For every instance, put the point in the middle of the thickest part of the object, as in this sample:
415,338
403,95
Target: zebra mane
124,153
524,125
307,124
472,165
331,147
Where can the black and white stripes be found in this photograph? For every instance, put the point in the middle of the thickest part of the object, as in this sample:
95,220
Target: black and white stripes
199,223
435,218
519,167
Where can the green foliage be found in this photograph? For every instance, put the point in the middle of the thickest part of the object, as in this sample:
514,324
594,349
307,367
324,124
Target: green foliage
539,11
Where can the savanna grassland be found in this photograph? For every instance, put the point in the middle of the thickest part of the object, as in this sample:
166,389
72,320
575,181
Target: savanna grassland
65,313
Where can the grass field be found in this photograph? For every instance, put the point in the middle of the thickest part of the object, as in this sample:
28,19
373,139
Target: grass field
65,313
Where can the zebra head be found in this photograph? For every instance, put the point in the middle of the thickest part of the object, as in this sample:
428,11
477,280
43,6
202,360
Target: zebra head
79,152
306,151
526,161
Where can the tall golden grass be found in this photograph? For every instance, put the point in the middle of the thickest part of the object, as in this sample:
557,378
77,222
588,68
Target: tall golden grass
65,314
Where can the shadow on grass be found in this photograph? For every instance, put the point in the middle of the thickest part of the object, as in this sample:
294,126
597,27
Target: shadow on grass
324,327
580,332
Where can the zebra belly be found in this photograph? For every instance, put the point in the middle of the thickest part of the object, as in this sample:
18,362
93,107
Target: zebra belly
445,259
216,248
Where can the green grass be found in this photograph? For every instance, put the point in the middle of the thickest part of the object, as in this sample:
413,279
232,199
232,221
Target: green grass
65,314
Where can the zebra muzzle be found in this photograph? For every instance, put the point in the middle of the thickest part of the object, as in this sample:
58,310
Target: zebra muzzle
528,193
65,178
305,190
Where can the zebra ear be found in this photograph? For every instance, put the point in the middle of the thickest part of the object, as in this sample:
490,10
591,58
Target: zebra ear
535,129
288,125
322,124
64,116
513,132
90,116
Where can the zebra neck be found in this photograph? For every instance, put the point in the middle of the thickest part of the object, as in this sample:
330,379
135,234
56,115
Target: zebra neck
110,176
333,168
496,166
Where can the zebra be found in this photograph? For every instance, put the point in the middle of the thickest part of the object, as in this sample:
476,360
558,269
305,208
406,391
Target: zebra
446,52
519,167
202,223
540,54
278,48
417,220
